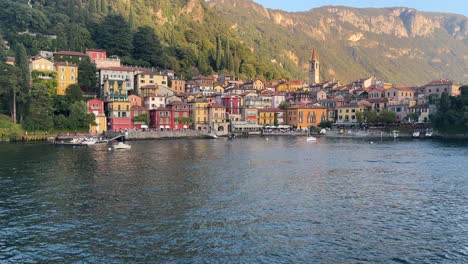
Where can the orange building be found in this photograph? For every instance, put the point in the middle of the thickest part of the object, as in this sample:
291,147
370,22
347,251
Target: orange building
305,116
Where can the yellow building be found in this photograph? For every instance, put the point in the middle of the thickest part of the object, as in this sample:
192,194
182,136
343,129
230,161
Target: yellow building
67,74
267,116
200,115
303,117
218,89
217,119
149,78
38,63
347,113
293,85
96,107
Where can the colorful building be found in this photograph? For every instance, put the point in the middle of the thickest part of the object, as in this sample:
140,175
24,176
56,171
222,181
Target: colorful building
200,115
69,56
178,86
250,116
67,74
149,77
347,113
232,104
306,116
217,117
96,107
118,115
438,87
135,100
271,116
135,112
96,54
173,116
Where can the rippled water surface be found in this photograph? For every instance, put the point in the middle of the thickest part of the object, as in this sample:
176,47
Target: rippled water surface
252,200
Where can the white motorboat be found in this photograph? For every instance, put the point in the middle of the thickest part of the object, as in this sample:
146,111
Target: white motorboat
122,145
311,139
416,134
428,134
89,141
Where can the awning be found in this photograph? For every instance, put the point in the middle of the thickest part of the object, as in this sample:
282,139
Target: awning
144,126
185,126
161,126
168,126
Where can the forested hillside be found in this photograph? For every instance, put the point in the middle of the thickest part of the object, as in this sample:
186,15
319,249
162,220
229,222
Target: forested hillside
186,36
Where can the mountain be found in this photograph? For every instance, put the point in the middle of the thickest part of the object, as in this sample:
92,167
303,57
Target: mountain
400,45
239,37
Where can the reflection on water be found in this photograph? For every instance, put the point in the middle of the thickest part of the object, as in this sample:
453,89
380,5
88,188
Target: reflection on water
246,200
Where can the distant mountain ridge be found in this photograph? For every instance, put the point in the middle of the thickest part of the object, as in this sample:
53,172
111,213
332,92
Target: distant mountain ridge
400,45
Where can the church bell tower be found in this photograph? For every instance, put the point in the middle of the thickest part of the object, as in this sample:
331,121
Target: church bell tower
314,68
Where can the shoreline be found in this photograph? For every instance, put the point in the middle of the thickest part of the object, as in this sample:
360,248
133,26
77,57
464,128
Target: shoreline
192,134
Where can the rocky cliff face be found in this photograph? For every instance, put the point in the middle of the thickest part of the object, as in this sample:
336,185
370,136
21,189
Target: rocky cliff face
401,45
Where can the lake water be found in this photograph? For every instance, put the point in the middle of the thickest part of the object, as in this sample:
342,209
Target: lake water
253,200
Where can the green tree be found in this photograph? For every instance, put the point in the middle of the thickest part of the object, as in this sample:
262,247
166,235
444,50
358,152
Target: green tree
141,118
114,35
147,46
87,74
219,53
74,94
386,117
444,104
79,118
9,78
284,105
22,62
40,114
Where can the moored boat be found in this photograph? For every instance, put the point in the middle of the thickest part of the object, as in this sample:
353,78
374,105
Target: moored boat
121,145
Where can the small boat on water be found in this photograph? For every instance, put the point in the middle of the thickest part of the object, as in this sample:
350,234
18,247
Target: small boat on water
428,134
212,136
396,134
121,145
416,134
310,138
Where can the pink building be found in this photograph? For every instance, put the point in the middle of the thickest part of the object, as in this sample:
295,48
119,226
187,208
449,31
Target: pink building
96,54
135,100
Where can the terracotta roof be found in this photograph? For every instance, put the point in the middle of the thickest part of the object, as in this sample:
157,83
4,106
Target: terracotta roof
121,68
96,50
66,64
11,59
271,110
149,86
349,106
409,89
314,54
70,53
440,82
216,105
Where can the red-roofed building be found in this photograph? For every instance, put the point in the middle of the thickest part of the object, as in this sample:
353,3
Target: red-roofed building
96,54
217,117
174,116
437,87
232,104
69,56
96,107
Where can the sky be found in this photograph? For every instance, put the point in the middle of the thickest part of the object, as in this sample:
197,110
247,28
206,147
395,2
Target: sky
445,6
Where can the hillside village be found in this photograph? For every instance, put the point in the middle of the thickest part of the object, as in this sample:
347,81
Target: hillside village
137,98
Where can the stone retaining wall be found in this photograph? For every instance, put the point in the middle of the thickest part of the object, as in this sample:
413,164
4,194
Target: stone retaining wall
143,135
